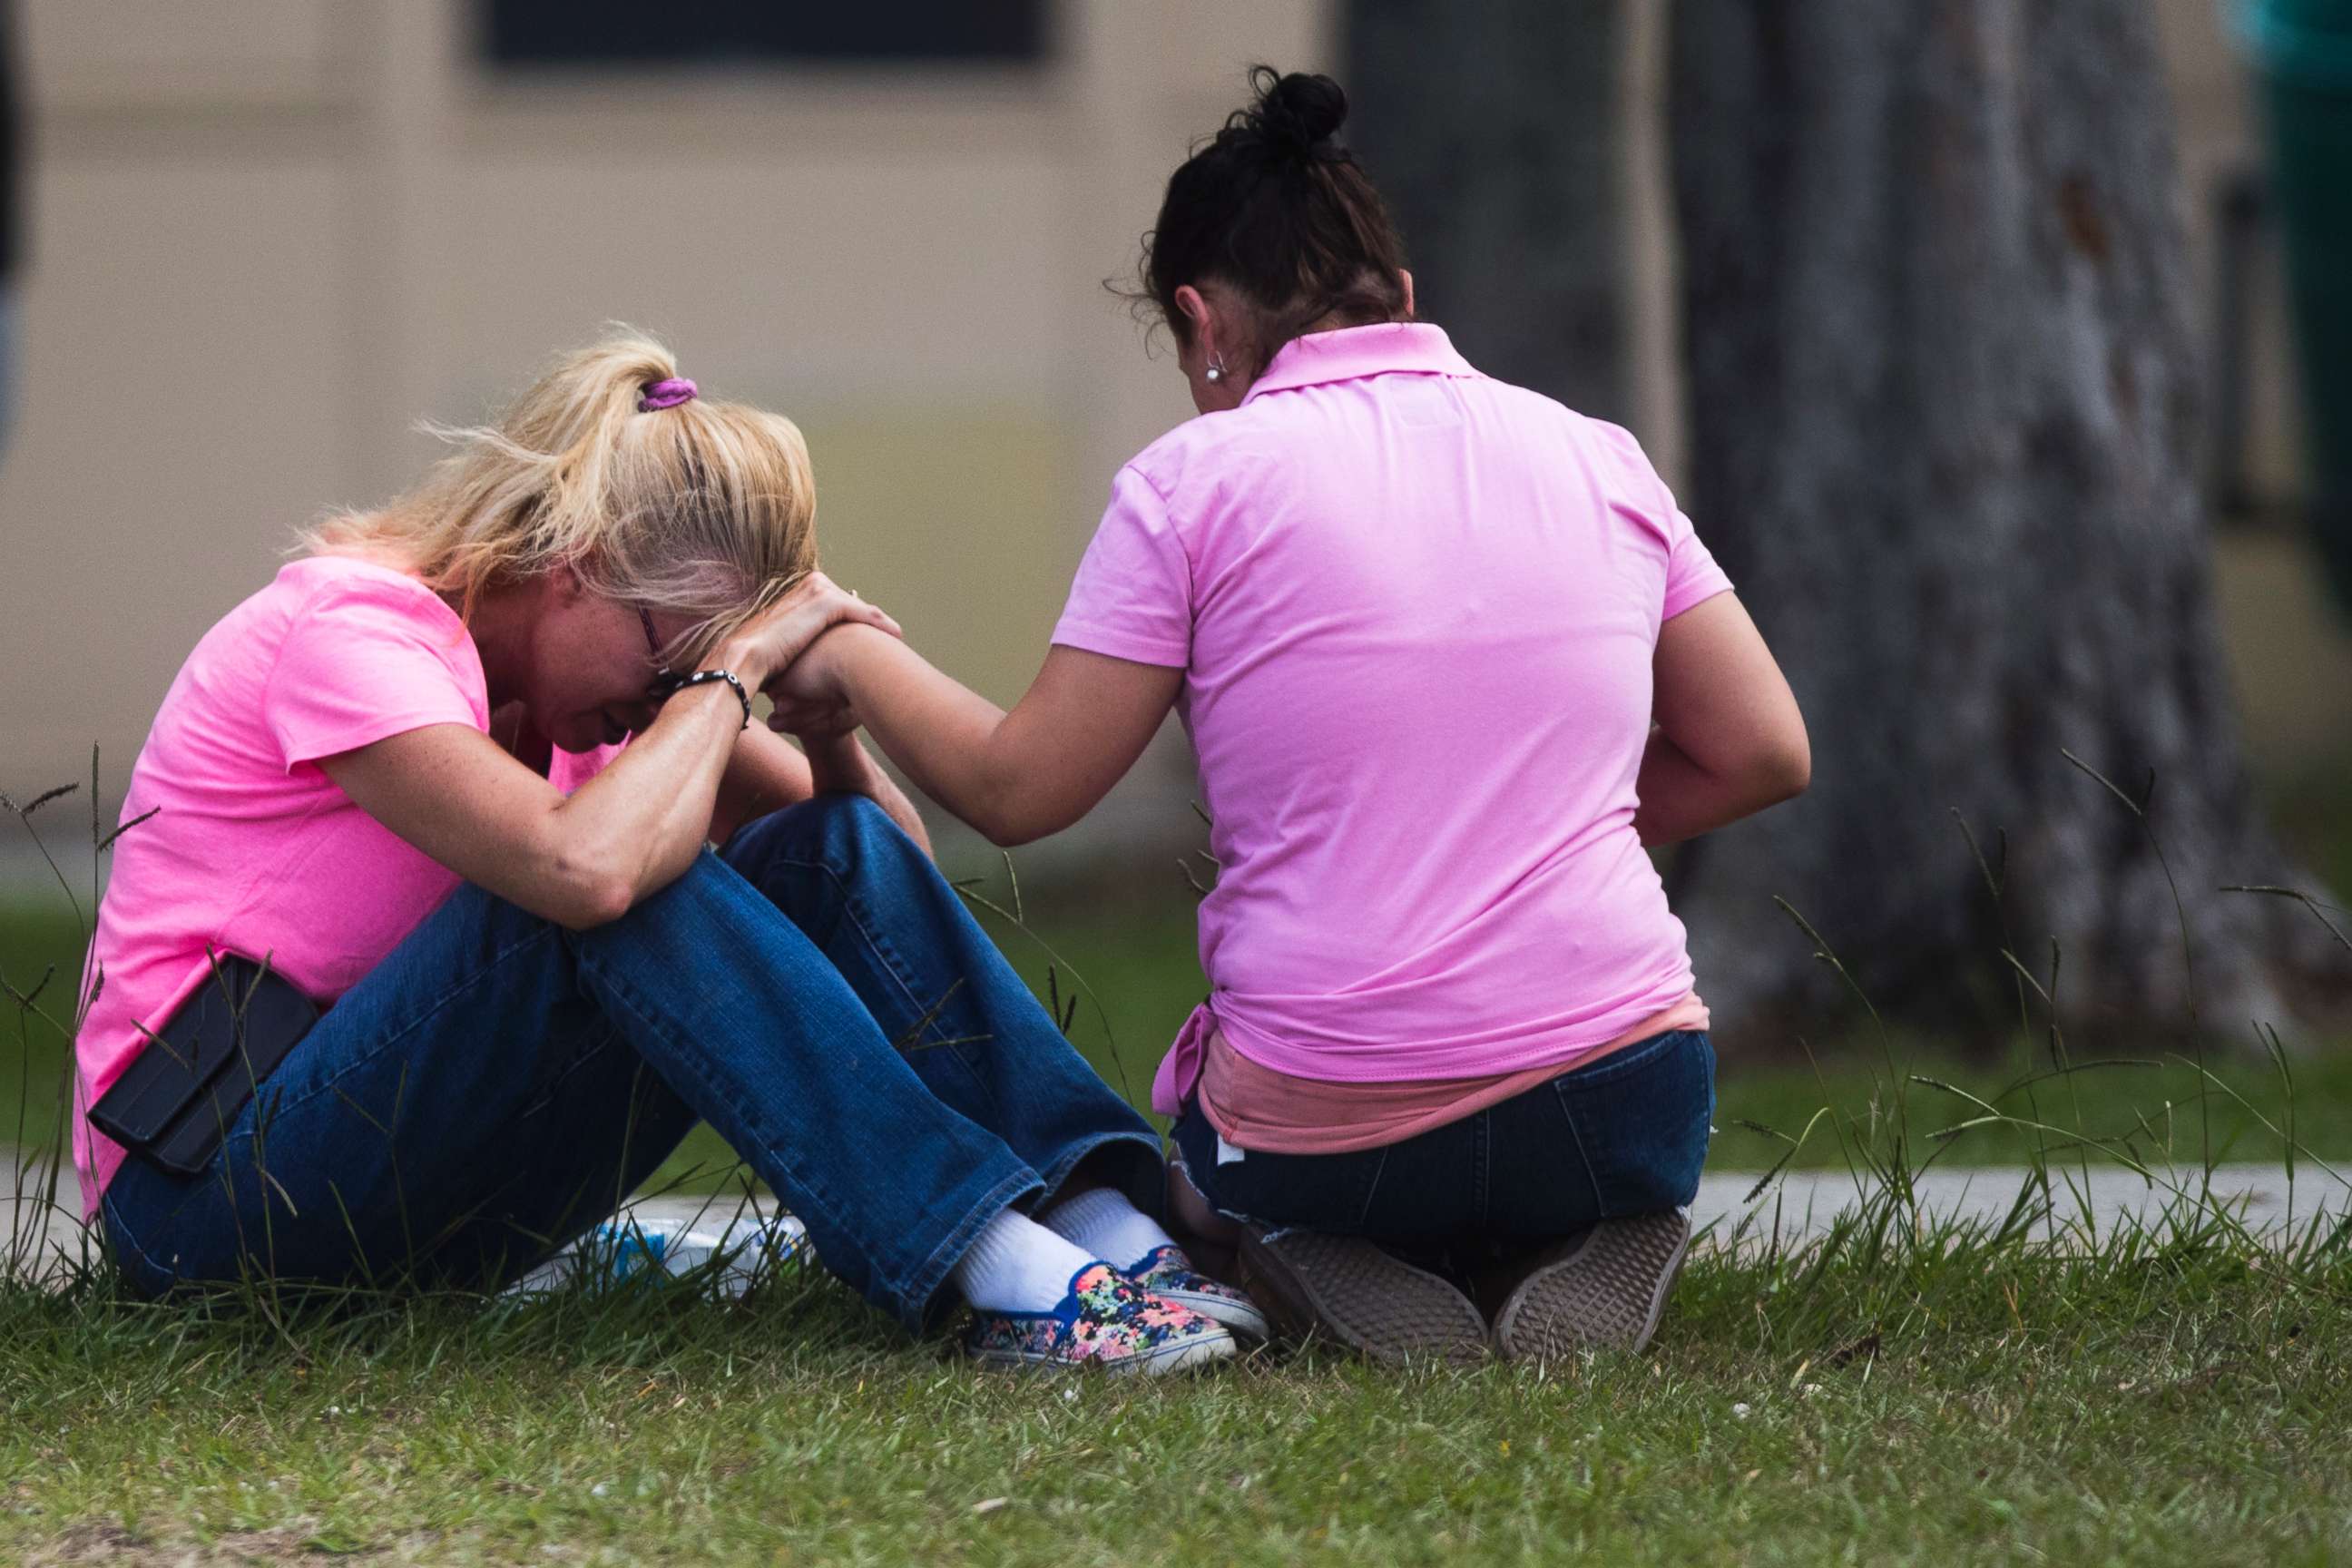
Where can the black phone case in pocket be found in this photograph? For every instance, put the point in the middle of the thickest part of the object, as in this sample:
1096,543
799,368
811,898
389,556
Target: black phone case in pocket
178,1098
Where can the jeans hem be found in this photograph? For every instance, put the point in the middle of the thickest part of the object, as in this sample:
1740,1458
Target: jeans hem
918,1305
1152,1202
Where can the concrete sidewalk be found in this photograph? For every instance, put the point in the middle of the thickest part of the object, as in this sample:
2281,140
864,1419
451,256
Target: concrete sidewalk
1802,1205
37,1240
1805,1204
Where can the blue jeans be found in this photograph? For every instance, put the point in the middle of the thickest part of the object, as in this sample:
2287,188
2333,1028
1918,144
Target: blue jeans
498,1084
1624,1135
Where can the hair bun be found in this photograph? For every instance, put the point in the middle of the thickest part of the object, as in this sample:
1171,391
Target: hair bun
1298,111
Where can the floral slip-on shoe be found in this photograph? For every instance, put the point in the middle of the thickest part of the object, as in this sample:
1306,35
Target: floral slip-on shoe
1104,1322
1167,1273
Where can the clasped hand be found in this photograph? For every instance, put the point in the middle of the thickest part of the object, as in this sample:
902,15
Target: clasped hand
782,651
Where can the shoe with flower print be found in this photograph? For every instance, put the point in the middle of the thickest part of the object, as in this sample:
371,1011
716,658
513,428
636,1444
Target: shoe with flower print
1104,1322
1167,1273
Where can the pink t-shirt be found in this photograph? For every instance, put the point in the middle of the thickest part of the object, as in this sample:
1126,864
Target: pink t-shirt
252,849
1415,609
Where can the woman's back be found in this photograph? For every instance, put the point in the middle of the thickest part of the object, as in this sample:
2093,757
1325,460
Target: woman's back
1436,643
1417,609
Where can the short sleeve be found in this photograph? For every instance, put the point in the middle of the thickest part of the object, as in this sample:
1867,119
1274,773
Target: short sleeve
1636,492
1133,595
1692,574
363,660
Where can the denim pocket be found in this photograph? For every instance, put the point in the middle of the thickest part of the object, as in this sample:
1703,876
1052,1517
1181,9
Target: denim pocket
1640,1120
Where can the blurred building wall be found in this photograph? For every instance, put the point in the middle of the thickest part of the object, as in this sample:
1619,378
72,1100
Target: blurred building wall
269,234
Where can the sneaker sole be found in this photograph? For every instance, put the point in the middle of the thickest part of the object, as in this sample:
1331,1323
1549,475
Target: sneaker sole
1349,1290
1239,1318
1201,1351
1611,1291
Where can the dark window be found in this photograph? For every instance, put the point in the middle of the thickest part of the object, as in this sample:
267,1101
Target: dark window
626,32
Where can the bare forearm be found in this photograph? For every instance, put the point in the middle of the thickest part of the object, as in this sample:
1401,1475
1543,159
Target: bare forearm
946,738
461,798
840,763
1680,799
636,826
1014,777
765,774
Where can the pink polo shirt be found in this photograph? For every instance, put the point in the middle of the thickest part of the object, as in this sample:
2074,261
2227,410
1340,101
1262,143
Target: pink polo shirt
1415,609
250,847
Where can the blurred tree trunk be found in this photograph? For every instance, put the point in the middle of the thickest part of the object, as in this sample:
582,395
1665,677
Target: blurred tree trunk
1493,129
1942,389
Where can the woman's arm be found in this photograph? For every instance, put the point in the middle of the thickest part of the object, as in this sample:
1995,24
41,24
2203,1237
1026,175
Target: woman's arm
586,859
1014,777
1727,739
767,774
580,860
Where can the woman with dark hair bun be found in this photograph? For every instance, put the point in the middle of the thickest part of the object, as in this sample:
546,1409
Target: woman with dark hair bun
1451,657
1275,218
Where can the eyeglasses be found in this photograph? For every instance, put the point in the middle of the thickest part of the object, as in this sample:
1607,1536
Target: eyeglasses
666,680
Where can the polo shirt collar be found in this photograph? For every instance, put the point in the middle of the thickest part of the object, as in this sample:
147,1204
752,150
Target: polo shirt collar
1350,352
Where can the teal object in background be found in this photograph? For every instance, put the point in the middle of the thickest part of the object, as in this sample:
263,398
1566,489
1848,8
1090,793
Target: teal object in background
2304,50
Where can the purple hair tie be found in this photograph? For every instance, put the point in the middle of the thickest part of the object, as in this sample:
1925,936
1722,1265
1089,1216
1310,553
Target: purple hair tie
667,394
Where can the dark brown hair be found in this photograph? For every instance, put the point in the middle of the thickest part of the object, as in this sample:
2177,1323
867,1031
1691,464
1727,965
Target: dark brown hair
1274,209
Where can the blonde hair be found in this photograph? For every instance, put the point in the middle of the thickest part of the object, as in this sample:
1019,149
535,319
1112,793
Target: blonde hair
704,510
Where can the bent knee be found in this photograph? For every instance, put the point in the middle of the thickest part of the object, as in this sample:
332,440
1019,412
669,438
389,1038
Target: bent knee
839,811
836,829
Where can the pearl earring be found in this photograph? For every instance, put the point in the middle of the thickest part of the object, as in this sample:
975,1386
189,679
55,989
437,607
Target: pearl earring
1217,371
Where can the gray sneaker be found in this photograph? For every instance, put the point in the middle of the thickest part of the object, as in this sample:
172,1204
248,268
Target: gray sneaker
1607,1288
1348,1290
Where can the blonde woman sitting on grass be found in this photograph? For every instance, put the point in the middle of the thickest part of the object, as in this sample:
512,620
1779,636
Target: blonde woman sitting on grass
456,776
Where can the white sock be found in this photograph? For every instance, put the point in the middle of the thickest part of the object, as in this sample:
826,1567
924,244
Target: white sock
1109,1226
1018,1265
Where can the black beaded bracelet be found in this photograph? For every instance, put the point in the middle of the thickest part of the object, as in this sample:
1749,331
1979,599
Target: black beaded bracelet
704,677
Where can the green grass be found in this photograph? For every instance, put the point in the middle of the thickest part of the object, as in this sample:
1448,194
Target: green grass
1945,1398
2153,1103
2307,812
35,938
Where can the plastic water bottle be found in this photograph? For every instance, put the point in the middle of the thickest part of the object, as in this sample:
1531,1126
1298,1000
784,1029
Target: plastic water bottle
725,1258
